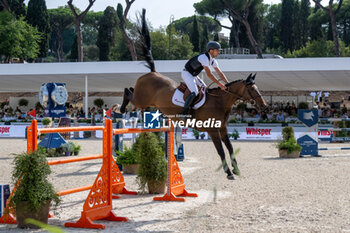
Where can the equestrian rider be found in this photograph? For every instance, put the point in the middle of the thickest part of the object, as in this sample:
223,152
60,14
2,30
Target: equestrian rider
195,65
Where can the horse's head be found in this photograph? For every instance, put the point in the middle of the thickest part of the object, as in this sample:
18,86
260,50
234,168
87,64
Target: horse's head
248,91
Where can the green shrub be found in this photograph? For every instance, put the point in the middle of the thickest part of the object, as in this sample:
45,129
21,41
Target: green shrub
303,105
23,102
99,102
128,156
288,143
33,171
153,167
46,121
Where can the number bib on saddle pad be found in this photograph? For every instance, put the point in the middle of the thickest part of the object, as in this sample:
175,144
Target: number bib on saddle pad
181,93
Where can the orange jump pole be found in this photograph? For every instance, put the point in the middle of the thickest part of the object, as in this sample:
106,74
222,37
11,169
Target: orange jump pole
175,181
72,160
98,204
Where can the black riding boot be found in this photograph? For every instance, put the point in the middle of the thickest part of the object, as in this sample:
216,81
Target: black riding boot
188,102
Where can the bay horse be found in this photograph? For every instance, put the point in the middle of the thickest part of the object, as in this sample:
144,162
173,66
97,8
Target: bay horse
156,90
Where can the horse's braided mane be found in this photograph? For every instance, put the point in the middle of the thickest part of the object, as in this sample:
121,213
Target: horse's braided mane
227,85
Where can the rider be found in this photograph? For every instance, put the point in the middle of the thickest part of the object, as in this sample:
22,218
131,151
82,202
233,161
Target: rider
195,65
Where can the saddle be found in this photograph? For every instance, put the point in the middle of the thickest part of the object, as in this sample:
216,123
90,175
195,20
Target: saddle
184,89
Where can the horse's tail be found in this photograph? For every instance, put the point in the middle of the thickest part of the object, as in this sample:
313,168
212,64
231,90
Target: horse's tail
146,43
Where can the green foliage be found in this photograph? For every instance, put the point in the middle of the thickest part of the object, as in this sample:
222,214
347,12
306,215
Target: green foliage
60,19
99,102
51,152
68,147
319,48
38,17
234,134
303,105
180,46
77,148
17,38
195,35
18,8
46,121
106,32
34,187
153,167
288,143
288,133
195,133
23,102
128,156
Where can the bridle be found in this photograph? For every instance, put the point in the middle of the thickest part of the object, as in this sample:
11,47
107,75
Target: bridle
239,97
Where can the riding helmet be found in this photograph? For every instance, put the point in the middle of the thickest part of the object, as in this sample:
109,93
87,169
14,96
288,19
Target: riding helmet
213,45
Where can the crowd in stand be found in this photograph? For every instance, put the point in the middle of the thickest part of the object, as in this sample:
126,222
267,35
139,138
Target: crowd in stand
278,111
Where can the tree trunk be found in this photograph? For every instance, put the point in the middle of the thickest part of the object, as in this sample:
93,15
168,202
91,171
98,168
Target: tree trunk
79,40
252,39
334,33
235,29
60,46
130,44
5,4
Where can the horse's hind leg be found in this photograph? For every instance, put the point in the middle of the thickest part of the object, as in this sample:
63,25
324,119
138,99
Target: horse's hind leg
226,140
128,96
215,137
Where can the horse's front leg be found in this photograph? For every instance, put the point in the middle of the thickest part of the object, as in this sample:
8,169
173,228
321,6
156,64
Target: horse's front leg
215,137
226,140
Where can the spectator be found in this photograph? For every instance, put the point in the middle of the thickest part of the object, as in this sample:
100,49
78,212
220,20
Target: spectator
280,116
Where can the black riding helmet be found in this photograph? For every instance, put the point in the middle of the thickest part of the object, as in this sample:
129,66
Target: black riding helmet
213,45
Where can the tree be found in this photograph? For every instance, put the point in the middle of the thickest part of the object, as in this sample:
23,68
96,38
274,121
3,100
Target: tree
332,15
17,38
234,10
316,20
195,35
304,14
205,38
38,17
78,18
273,27
60,19
17,7
122,25
287,25
4,5
106,33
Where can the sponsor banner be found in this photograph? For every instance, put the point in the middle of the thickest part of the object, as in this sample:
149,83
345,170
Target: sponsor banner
245,133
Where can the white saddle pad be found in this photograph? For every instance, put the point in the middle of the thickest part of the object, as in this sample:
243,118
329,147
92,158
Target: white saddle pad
178,99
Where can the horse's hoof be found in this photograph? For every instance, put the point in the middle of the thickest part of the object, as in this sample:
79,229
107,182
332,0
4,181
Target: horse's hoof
230,177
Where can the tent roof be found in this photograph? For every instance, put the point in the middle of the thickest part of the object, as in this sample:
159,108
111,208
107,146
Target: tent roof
305,74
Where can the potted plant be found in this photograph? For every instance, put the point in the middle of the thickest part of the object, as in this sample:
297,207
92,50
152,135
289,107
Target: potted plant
234,134
47,122
153,167
77,149
68,148
128,160
288,147
34,192
202,135
195,133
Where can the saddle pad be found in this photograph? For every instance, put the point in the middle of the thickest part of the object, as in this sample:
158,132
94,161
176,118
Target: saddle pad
179,101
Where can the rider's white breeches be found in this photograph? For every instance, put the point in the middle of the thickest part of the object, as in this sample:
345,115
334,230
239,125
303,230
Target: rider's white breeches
192,81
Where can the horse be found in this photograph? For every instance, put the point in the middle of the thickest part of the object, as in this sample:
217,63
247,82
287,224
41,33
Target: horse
156,90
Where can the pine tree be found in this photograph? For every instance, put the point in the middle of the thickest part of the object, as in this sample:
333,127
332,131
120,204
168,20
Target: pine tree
287,25
303,21
74,49
205,38
38,16
195,35
17,7
106,32
216,37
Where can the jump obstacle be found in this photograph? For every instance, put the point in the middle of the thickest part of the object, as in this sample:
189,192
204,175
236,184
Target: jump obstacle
337,138
109,181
